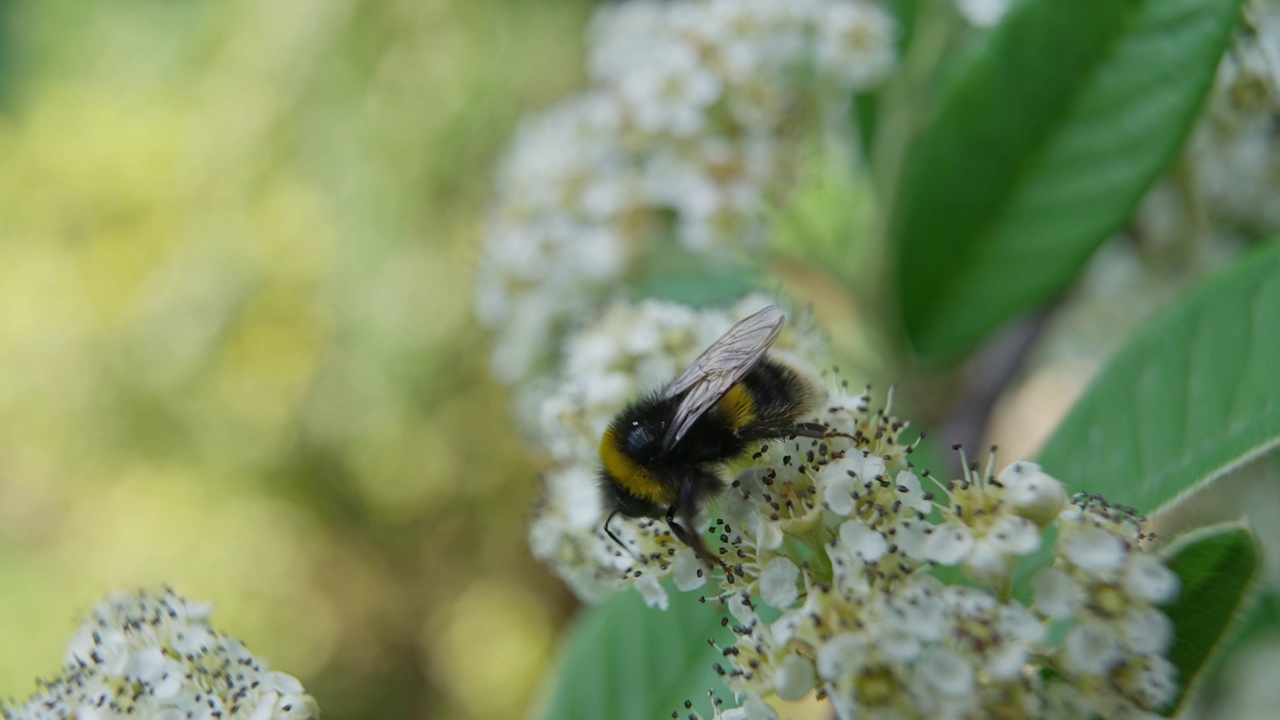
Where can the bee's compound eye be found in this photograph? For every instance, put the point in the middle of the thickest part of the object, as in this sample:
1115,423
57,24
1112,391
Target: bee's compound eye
639,439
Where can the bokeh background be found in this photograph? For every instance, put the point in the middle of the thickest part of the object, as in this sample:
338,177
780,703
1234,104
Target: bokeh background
237,356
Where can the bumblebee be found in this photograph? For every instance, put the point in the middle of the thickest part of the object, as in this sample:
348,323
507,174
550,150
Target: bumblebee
663,455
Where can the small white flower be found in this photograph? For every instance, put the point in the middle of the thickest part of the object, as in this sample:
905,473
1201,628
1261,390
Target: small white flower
670,92
1015,535
1092,549
1020,624
192,641
741,609
687,572
863,541
146,665
1147,631
1032,493
968,600
992,554
983,12
778,582
1090,649
911,493
1147,577
753,708
168,687
1056,595
909,536
655,596
899,645
794,678
839,655
986,561
857,43
1064,701
1158,682
948,544
1006,663
947,672
838,491
862,467
919,609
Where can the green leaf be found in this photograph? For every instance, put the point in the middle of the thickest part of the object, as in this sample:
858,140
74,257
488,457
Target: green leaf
1041,146
1195,394
1218,567
624,660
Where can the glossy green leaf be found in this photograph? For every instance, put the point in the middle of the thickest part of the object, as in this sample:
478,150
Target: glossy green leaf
1218,567
1193,395
627,661
1040,147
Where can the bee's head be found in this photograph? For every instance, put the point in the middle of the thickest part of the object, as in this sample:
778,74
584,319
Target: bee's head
630,482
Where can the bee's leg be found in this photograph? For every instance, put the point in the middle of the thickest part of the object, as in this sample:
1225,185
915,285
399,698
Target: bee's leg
693,540
678,530
784,429
811,429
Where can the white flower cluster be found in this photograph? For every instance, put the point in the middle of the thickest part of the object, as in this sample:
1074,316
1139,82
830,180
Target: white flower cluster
838,536
628,351
154,656
1114,655
864,624
1223,187
690,122
1231,157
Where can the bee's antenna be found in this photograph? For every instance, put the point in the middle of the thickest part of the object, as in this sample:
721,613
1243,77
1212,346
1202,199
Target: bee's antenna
614,538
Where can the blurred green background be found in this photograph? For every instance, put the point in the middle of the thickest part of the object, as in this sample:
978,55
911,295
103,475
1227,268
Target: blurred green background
236,349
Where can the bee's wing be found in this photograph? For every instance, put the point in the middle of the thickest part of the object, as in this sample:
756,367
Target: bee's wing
718,368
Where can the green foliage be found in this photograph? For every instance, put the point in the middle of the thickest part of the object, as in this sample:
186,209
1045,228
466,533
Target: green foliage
827,219
1038,150
1218,567
630,662
1192,396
